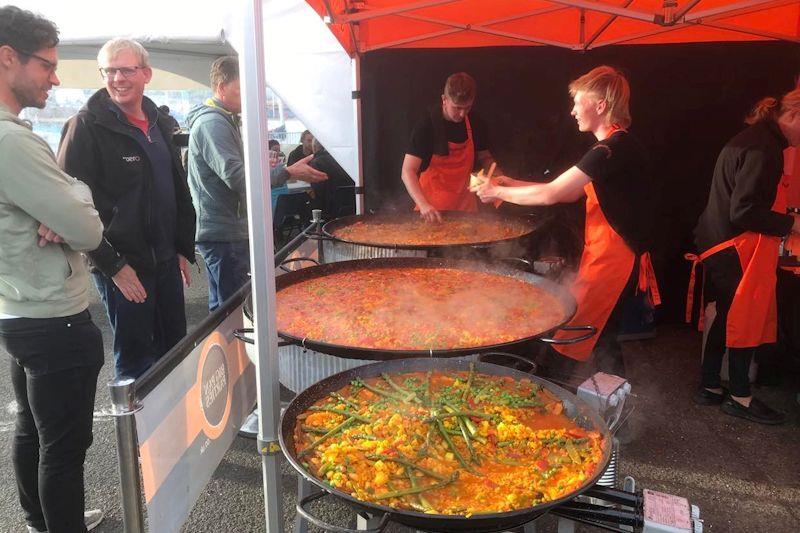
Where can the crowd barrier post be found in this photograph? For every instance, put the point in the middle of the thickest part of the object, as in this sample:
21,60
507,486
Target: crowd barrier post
124,405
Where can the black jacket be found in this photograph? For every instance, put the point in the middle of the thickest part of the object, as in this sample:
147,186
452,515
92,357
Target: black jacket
97,147
744,187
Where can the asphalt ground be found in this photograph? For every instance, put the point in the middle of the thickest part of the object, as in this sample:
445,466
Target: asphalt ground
744,477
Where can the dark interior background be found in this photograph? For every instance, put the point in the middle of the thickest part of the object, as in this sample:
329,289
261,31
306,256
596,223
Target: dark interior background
687,101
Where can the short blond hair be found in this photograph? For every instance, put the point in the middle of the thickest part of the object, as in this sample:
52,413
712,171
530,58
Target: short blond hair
460,88
770,108
609,84
115,46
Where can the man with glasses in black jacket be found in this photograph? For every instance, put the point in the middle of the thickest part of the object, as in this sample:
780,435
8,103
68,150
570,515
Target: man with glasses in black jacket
120,144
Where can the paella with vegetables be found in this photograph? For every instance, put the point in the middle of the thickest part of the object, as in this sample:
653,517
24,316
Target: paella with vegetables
452,230
447,442
407,308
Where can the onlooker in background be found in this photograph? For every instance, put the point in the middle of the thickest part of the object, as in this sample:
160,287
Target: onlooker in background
336,196
121,146
275,146
46,220
169,120
217,182
304,149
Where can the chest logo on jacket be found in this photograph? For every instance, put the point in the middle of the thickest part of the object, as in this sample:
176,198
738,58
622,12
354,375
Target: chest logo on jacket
131,158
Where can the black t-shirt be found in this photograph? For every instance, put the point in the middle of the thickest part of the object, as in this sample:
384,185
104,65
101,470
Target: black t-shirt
620,172
423,137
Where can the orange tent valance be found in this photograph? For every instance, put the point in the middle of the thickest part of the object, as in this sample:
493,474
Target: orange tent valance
363,26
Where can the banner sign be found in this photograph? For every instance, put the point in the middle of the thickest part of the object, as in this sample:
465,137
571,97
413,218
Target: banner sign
189,421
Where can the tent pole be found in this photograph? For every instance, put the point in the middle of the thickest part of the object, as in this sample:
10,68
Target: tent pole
262,268
360,198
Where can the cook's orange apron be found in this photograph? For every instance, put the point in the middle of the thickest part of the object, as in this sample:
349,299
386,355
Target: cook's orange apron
606,266
445,182
753,316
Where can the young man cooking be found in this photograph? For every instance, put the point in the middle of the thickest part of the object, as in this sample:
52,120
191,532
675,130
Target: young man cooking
442,152
738,236
614,177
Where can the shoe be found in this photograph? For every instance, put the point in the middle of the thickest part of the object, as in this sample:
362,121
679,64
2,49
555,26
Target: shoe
704,396
758,412
91,518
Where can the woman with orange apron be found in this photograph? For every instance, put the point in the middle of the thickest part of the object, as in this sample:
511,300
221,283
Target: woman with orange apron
739,234
614,177
442,153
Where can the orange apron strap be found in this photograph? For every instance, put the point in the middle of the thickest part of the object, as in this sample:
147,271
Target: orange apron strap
690,291
647,280
696,260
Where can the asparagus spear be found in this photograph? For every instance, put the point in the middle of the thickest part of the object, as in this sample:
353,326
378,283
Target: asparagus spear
343,412
338,429
407,395
349,403
426,505
312,429
469,382
381,392
465,434
417,490
450,443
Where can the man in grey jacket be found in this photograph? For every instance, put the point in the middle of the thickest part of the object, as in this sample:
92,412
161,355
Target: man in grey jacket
217,183
46,219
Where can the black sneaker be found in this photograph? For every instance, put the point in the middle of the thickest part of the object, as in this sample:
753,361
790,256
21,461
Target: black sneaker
703,396
757,412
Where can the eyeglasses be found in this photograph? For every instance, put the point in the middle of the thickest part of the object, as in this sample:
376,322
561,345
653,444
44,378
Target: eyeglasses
110,73
49,65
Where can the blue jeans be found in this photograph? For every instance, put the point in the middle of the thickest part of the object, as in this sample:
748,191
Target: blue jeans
54,368
146,331
228,265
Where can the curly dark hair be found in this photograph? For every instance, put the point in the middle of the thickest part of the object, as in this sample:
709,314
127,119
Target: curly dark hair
26,32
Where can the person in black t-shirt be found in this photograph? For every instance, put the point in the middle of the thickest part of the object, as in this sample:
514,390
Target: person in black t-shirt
443,150
614,176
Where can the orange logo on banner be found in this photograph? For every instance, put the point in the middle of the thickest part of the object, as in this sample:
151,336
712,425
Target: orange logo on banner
204,409
213,379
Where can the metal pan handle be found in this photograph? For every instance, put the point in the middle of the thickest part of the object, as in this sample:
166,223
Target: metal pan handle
518,262
241,334
528,362
282,264
591,329
305,513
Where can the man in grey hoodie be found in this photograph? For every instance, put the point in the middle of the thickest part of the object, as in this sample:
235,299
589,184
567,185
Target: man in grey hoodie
46,219
217,182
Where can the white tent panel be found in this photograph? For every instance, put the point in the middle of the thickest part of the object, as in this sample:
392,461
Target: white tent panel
307,67
83,74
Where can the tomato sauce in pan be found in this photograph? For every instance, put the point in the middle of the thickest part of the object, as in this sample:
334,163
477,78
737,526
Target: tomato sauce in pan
416,309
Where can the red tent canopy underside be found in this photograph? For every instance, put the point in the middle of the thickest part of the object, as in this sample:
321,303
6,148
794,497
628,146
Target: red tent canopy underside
577,24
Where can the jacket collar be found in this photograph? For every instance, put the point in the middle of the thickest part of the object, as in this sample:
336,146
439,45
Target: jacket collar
217,105
108,114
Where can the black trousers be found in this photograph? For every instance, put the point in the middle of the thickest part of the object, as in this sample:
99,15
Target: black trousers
144,332
54,368
723,272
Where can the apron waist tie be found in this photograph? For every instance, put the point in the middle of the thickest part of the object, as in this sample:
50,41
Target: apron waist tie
647,280
696,260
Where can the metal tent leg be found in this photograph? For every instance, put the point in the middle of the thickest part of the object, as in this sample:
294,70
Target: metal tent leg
303,489
566,526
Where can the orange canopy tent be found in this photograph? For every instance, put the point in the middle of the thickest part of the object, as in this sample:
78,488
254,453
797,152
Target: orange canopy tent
364,26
